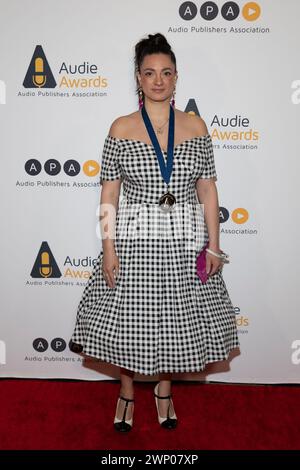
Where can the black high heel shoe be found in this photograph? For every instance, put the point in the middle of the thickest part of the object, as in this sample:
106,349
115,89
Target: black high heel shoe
122,425
171,421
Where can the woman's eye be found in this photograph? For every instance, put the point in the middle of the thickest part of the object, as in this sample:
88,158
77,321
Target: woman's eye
150,73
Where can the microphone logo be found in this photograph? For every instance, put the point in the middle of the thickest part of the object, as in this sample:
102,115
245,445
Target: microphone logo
39,73
45,268
39,79
45,264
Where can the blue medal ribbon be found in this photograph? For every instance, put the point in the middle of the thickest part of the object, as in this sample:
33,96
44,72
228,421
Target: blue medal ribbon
165,169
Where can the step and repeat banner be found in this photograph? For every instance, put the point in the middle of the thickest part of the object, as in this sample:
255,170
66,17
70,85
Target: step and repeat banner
66,72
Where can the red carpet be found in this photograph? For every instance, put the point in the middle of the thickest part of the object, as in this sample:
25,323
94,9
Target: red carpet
43,414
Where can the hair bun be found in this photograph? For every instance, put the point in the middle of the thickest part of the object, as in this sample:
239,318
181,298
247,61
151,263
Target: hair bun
159,39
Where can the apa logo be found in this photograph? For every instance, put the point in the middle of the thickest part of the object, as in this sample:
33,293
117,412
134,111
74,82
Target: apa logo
52,167
229,11
2,352
45,265
39,74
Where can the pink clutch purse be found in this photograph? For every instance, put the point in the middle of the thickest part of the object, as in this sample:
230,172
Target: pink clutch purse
201,264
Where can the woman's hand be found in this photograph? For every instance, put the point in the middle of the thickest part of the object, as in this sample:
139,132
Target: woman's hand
213,263
110,267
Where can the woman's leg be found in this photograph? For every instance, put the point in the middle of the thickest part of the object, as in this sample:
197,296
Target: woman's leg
164,389
126,391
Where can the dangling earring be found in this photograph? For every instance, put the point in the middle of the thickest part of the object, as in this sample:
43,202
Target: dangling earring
173,99
141,103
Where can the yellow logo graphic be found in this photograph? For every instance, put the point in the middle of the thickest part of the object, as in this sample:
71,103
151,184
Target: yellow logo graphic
39,79
240,215
91,168
45,264
45,268
251,11
39,73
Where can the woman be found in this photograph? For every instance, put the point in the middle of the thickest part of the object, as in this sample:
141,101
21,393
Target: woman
144,308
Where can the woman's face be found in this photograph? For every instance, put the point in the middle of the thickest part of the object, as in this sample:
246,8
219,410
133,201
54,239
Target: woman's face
157,76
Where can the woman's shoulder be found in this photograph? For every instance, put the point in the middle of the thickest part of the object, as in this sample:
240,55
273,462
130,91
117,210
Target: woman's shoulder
123,125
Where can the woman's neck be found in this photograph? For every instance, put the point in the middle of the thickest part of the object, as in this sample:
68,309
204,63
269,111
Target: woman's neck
158,111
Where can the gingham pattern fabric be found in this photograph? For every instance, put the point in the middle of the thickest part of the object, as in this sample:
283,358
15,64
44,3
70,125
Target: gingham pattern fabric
159,317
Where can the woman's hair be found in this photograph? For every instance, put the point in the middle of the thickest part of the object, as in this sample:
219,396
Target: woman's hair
153,44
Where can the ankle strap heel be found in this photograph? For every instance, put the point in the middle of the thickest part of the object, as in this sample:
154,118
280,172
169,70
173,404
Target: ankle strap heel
170,422
163,398
128,400
121,424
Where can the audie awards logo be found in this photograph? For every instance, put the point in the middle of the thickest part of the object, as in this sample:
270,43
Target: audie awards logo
83,80
45,265
39,74
75,271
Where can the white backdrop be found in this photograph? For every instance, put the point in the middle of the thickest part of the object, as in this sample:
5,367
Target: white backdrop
245,66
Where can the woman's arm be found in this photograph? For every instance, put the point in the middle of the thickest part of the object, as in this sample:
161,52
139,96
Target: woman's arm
109,203
108,209
208,196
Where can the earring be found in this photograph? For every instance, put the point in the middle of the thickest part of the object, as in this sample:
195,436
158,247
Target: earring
173,98
141,103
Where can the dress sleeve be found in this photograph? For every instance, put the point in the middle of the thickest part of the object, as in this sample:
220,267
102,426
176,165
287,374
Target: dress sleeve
209,169
110,167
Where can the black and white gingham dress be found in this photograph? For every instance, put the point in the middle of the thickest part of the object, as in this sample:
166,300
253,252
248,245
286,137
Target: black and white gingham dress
159,317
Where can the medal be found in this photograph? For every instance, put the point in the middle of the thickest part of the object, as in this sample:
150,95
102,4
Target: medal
166,201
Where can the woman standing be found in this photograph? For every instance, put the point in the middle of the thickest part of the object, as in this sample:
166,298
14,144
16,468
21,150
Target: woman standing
144,307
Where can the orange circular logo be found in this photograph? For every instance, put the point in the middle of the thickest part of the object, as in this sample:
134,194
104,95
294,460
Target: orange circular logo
240,215
91,168
251,11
